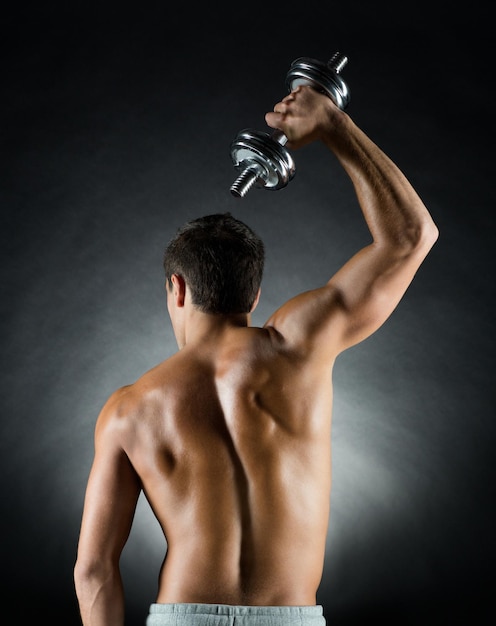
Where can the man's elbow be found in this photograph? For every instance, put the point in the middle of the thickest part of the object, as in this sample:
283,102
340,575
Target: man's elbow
428,234
419,238
88,574
82,576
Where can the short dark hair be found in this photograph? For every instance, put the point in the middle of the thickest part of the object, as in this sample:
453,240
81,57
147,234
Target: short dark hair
221,259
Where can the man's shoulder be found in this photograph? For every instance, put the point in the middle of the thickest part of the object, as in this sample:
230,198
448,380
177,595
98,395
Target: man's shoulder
151,386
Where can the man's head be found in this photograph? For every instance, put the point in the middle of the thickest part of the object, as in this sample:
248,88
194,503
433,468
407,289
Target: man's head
221,261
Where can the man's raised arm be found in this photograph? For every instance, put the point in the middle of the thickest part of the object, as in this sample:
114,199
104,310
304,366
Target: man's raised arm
365,291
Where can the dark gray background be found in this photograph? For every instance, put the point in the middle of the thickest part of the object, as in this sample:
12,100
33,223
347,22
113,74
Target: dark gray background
116,125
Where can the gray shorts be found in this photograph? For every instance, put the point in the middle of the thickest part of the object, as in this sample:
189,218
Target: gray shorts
229,615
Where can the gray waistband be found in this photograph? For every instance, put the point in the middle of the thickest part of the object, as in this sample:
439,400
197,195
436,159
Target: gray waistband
230,609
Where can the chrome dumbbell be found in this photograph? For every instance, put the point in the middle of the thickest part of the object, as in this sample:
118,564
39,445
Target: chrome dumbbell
260,157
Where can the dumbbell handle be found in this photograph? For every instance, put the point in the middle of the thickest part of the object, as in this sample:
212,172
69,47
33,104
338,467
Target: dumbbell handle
280,137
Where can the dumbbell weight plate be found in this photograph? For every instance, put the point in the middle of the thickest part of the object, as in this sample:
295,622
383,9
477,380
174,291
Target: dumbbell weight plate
259,151
320,76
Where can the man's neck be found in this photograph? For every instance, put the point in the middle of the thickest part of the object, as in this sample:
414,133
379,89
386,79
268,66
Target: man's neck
200,327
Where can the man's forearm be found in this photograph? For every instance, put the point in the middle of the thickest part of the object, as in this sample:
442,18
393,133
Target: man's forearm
394,212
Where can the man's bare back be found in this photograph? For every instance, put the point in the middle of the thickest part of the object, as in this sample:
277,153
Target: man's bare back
230,438
232,445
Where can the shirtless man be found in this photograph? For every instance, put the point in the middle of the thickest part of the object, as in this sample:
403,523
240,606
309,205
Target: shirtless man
230,438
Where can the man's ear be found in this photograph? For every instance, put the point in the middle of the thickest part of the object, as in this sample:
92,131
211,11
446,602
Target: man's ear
178,289
254,305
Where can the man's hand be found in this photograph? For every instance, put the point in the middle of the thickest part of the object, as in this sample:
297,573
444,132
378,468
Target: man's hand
304,115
